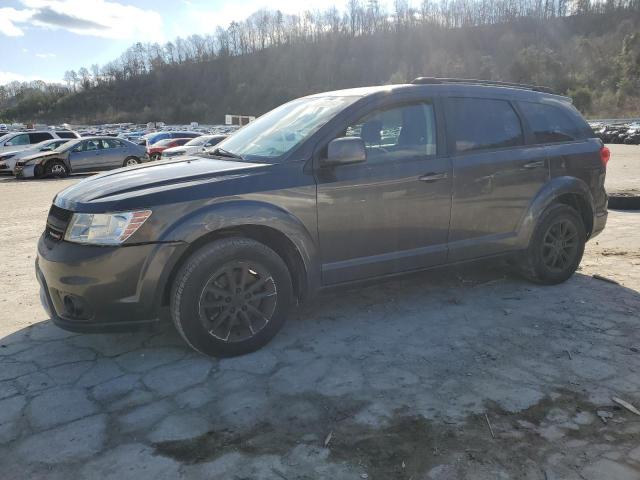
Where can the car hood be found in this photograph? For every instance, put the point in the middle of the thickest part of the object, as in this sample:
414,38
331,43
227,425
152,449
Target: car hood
40,156
6,153
154,183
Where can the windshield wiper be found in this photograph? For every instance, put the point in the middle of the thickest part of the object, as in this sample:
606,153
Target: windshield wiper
221,152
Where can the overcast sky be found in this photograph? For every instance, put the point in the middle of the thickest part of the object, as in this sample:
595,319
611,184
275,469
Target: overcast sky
41,39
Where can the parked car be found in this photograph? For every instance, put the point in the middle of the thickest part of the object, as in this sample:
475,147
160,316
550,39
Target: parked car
325,190
24,140
82,155
9,158
155,151
152,138
198,144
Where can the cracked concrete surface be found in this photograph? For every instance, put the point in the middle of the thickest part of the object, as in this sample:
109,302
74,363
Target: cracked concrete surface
398,380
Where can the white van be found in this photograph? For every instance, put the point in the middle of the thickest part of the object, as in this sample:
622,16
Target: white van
24,140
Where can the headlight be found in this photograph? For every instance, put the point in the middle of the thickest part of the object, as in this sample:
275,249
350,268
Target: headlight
105,228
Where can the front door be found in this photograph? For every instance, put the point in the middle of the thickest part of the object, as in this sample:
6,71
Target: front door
391,213
86,156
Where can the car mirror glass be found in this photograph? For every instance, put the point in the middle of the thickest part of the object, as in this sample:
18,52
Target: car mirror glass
346,150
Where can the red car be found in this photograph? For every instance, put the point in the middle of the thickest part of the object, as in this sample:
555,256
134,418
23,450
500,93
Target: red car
157,148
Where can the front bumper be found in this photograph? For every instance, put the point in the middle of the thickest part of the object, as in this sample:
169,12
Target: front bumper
24,171
104,289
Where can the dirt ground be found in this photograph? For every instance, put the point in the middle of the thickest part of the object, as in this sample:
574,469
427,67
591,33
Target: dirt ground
469,373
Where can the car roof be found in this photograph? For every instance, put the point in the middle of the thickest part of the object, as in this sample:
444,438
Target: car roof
457,88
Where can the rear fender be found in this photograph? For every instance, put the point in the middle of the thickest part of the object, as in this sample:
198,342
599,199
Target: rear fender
547,195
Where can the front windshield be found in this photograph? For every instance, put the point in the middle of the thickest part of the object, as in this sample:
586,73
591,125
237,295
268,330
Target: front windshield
196,142
67,145
163,143
279,131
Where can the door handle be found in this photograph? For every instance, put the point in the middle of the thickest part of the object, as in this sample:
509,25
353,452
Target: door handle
433,177
532,165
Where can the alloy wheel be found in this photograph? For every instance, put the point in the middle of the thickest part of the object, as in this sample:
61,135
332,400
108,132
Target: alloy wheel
238,301
560,245
58,170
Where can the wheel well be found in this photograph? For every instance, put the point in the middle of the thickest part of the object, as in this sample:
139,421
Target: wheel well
579,203
272,238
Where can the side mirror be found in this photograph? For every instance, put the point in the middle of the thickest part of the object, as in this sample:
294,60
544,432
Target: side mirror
342,151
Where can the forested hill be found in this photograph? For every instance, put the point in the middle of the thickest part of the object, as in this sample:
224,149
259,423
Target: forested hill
591,53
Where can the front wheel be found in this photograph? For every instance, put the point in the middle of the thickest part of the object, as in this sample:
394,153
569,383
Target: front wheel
131,161
231,297
57,169
556,247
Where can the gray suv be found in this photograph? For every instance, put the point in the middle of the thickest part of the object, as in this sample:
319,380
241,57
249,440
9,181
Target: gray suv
326,190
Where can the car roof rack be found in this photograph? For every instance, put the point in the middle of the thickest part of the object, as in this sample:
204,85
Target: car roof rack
492,83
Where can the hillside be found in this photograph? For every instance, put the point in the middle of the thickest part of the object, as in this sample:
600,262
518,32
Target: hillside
592,56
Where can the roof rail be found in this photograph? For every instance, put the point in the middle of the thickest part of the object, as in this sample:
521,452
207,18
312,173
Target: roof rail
494,83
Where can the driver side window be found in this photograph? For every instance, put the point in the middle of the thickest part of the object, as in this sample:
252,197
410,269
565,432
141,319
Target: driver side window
397,133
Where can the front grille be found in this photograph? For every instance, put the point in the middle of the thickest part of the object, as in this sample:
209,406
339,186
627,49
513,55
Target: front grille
57,222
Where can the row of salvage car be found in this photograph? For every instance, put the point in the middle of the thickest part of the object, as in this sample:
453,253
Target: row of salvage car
617,132
59,157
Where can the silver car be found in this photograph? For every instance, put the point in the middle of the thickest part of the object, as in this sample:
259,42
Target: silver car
9,159
83,155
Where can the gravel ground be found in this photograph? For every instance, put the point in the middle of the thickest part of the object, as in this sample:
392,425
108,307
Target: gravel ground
462,374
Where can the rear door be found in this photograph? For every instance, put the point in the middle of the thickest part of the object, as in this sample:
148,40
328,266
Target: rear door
113,153
496,175
391,213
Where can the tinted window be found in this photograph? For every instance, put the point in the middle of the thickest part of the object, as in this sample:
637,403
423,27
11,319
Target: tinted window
550,124
482,124
38,137
213,141
184,135
397,132
112,143
22,139
66,134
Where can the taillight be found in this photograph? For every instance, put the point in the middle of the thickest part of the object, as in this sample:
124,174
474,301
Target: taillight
605,156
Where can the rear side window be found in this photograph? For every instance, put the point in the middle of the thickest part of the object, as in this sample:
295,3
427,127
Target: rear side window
66,134
113,143
38,137
551,124
483,124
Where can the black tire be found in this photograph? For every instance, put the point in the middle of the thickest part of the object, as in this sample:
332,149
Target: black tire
38,171
549,242
56,168
200,297
130,161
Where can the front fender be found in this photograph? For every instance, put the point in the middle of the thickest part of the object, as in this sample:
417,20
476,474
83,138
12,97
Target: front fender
548,194
243,213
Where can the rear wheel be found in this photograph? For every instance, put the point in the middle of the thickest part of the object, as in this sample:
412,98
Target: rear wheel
556,247
128,162
231,297
57,169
